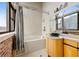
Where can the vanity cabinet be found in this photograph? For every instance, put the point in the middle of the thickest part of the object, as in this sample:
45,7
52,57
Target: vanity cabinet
70,42
70,51
54,47
70,48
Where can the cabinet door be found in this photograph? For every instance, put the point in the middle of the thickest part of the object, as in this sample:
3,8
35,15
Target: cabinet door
55,48
70,51
52,48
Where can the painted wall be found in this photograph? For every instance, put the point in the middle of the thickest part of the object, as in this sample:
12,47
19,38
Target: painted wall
32,20
49,20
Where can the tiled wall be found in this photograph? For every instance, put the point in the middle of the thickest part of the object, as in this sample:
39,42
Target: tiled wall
6,48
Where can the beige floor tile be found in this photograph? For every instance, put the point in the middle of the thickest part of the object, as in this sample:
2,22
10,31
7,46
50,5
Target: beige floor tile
39,53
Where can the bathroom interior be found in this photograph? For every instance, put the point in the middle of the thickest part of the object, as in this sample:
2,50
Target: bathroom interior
39,29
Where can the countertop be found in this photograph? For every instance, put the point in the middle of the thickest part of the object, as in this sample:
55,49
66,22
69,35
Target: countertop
70,37
66,36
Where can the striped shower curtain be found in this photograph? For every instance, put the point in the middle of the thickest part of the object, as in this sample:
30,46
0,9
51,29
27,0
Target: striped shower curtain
19,30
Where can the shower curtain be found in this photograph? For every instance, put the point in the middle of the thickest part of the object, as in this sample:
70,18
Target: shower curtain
19,30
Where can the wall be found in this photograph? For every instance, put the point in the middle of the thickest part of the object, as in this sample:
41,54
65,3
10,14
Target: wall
49,20
32,20
6,44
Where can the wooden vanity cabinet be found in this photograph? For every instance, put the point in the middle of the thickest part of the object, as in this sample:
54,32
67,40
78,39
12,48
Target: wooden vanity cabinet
54,47
70,42
70,51
70,48
62,47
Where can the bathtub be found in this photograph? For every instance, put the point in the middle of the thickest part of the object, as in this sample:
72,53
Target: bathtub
33,43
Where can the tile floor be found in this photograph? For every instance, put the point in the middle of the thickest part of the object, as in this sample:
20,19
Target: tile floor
39,53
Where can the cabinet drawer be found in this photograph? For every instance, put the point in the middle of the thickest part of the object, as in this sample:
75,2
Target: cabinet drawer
71,42
70,51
